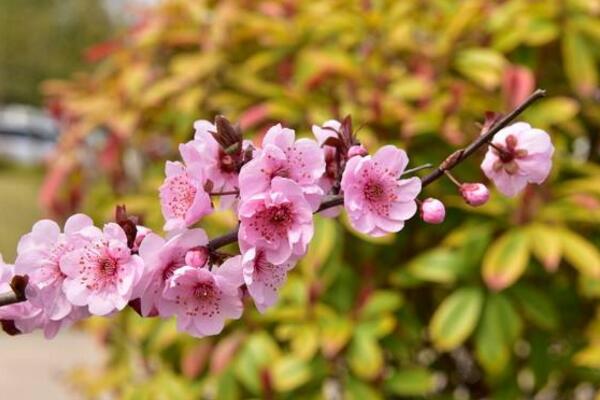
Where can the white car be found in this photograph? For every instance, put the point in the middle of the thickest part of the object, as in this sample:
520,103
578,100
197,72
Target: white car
27,134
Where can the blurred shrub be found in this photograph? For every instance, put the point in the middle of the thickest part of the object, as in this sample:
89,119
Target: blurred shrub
403,316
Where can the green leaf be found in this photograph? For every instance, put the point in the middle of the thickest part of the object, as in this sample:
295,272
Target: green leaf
579,63
545,244
365,356
537,306
552,111
437,266
380,302
289,373
482,66
506,260
580,253
410,382
258,353
335,334
500,326
357,390
455,318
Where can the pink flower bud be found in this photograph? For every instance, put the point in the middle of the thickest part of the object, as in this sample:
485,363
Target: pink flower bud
357,150
196,257
433,211
475,194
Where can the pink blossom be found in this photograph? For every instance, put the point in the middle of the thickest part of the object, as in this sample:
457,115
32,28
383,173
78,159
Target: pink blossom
25,316
202,299
520,154
140,235
332,161
357,150
102,274
219,167
301,160
263,278
182,197
39,255
377,201
433,211
475,194
279,221
162,258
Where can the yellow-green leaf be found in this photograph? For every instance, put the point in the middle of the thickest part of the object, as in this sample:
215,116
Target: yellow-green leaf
365,356
506,260
499,327
454,320
289,373
410,382
545,244
579,64
580,253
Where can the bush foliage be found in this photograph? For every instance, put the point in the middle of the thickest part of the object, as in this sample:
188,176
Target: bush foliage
402,316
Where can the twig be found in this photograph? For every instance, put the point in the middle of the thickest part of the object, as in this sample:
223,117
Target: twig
450,162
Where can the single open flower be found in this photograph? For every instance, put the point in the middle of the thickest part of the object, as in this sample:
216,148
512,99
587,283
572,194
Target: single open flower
279,221
433,211
263,278
38,256
202,299
475,194
377,201
103,273
518,155
183,199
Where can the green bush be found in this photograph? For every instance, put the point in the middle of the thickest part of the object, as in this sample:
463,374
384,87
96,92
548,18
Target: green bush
402,316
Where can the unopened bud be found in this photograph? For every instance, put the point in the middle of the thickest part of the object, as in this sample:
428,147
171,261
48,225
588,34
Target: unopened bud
196,257
433,211
357,150
475,194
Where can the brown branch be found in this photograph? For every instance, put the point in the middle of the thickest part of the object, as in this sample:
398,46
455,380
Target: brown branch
333,201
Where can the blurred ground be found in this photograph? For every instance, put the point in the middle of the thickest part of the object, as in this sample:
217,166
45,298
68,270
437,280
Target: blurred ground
35,368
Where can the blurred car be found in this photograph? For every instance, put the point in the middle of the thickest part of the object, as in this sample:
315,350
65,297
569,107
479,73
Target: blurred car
27,134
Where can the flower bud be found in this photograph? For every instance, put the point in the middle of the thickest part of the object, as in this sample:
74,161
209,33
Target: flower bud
196,257
357,150
433,211
475,194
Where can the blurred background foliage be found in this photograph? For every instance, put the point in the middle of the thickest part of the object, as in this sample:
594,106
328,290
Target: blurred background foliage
498,302
44,39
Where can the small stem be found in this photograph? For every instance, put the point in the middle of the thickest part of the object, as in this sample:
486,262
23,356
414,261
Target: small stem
498,148
415,169
452,178
226,193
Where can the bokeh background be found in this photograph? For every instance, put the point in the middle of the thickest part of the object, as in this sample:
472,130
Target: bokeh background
116,85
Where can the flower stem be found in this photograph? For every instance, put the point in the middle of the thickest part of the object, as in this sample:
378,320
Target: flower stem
226,193
452,178
415,169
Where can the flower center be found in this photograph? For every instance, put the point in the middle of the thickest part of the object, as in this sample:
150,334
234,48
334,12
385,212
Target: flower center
204,290
226,162
280,215
331,165
374,191
108,266
507,155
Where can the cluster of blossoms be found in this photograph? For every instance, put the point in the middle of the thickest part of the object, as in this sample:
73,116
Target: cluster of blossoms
275,190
